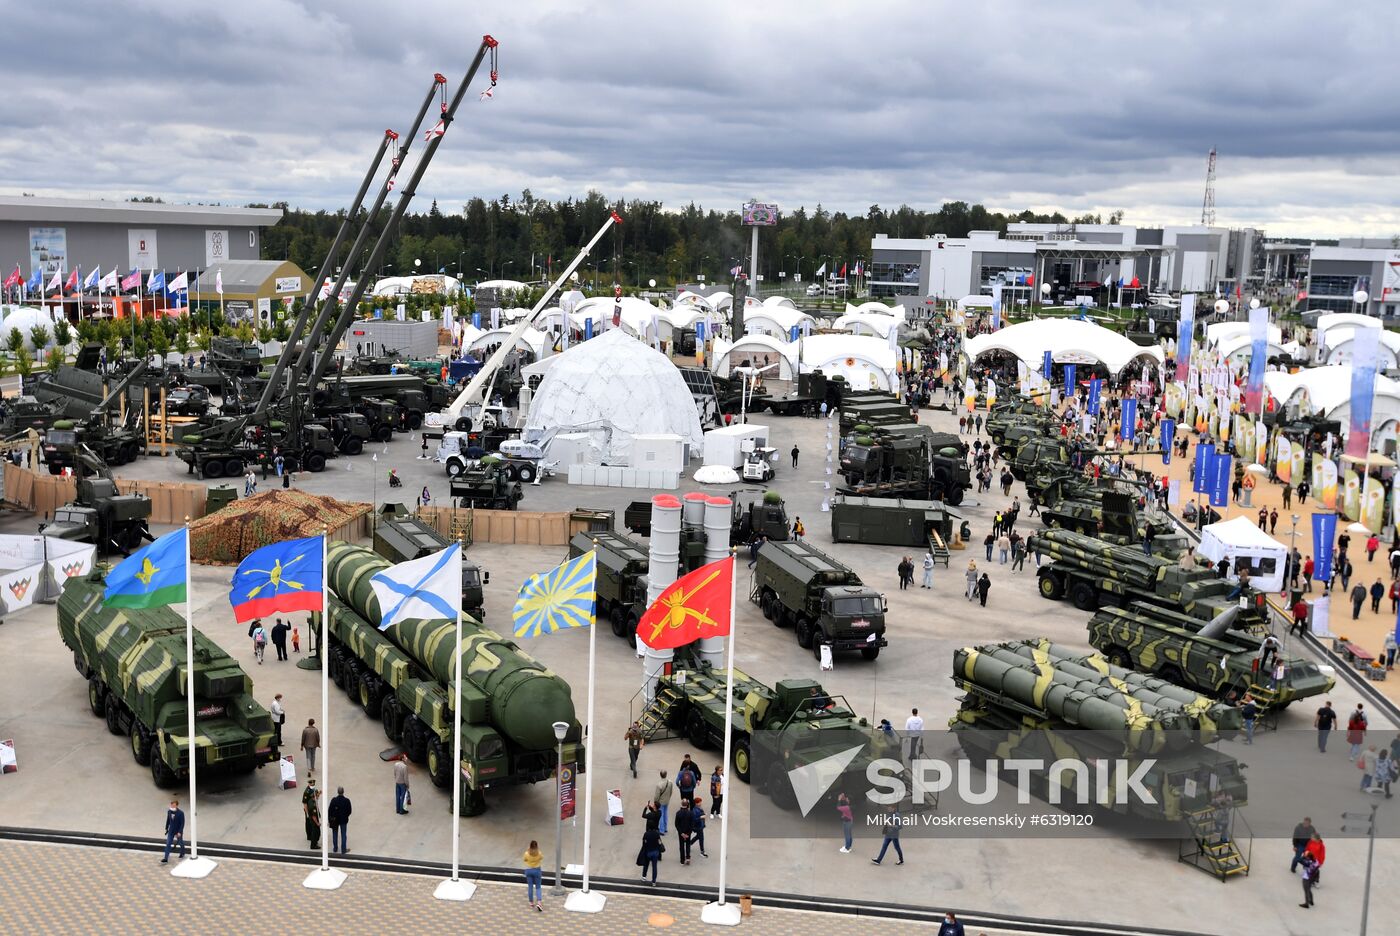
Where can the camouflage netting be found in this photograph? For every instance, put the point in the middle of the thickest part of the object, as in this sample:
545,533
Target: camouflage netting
227,536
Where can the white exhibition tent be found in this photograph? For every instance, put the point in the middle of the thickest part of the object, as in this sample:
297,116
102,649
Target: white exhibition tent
613,388
725,355
866,363
1330,320
777,320
1236,350
1338,349
503,285
1241,538
437,284
878,308
531,340
1327,391
1220,331
866,323
24,319
637,315
1069,341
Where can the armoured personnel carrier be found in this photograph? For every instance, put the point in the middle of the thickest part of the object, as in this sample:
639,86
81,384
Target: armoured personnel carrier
824,601
405,678
134,662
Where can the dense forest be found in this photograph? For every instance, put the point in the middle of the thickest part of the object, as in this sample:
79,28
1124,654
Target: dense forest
521,238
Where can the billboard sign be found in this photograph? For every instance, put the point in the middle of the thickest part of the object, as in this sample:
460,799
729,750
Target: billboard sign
759,214
288,284
48,250
215,247
141,249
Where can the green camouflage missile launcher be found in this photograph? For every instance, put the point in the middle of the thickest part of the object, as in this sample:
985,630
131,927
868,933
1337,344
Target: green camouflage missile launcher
404,677
1109,509
905,460
1165,643
134,662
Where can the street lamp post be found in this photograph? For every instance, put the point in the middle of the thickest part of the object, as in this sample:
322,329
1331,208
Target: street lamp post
1370,856
560,729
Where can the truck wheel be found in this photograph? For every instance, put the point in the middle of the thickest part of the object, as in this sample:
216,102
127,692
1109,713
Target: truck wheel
804,633
1172,674
415,420
473,802
439,762
780,788
633,619
384,433
765,604
114,715
233,467
1084,596
818,638
463,424
79,665
1119,657
213,468
1051,587
527,474
619,623
370,689
953,496
354,445
129,452
140,744
512,473
316,461
97,697
389,717
352,682
696,732
454,467
870,653
161,774
415,739
743,762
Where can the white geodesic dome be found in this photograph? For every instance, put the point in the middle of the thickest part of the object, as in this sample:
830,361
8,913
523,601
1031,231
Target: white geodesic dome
23,319
613,387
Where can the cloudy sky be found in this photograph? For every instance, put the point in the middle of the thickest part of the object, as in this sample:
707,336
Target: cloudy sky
1077,107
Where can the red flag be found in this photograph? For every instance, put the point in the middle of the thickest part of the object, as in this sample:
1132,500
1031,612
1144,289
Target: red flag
695,606
14,279
72,281
1237,290
843,269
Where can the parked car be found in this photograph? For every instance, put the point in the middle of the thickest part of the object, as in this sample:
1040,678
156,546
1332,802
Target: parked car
814,290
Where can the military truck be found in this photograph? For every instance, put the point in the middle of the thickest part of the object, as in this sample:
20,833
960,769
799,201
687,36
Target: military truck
484,483
134,664
1224,664
233,358
1093,573
350,432
906,460
787,726
754,516
111,521
400,537
620,584
405,677
1033,701
812,390
303,448
115,446
873,411
823,600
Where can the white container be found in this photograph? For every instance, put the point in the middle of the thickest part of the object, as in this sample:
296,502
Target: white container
725,446
658,452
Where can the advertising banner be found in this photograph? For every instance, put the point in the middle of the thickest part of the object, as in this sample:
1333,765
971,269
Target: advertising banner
1283,467
1327,491
1351,495
141,253
215,247
567,799
1046,365
1365,344
1220,481
48,250
1205,455
1168,437
1095,393
1324,536
996,306
288,284
1128,432
1069,381
1258,357
1185,335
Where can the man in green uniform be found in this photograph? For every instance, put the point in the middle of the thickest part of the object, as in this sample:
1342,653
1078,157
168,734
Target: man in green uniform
311,809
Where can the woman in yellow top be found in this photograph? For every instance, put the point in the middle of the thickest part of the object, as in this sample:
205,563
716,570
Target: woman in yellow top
534,877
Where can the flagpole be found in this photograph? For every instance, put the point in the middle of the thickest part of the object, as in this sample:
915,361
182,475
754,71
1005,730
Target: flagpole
325,877
587,901
721,913
455,888
194,866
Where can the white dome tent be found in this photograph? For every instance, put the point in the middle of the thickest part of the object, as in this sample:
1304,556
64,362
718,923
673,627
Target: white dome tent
613,388
530,340
878,308
866,323
726,356
432,284
24,319
1068,340
1327,391
1339,347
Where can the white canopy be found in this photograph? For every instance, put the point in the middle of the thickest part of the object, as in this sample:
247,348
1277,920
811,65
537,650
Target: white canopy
878,308
530,340
1339,346
24,319
1330,320
1220,331
755,348
613,387
1068,340
636,314
503,285
427,283
866,323
773,320
780,301
1236,349
1327,391
1241,539
866,363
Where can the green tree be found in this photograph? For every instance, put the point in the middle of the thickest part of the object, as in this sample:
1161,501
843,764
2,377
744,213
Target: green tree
264,333
14,341
24,362
244,332
52,365
182,341
204,340
39,337
63,334
160,341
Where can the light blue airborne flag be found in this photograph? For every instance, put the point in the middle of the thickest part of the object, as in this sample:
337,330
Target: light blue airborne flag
428,588
556,600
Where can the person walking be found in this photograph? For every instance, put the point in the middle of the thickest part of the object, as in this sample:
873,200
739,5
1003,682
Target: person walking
914,731
795,453
338,816
687,778
1003,547
1324,722
1287,496
1377,593
1358,598
1310,869
697,826
1308,566
684,824
1372,544
843,809
928,570
754,547
402,799
634,746
1369,761
971,576
311,812
1317,851
798,530
1249,711
1356,730
310,742
661,796
1273,520
990,542
1302,835
279,638
650,854
259,643
984,585
1300,617
174,830
891,828
279,718
717,792
534,876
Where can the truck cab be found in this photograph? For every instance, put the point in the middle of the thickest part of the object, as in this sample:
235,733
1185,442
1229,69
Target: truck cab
852,617
72,523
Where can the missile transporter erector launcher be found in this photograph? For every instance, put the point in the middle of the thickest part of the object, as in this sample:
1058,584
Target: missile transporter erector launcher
1036,701
404,677
1182,650
134,662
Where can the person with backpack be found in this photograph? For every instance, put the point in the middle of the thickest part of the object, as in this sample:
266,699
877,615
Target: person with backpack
1356,731
717,792
259,643
798,530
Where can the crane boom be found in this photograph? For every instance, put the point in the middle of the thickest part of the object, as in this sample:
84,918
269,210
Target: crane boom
475,389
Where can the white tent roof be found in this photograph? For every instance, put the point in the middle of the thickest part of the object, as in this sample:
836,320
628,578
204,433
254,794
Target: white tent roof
531,340
866,323
687,296
1339,347
1330,320
1327,387
1069,340
878,308
502,284
779,301
438,284
23,319
1221,331
726,355
775,320
636,314
613,387
865,362
1242,537
1236,348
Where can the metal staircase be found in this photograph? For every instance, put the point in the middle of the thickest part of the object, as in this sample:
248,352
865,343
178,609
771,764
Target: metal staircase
462,522
1214,850
656,714
939,549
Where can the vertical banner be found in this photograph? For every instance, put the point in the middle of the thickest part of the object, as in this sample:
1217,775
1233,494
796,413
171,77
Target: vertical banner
1046,365
1186,334
1168,437
1283,467
1174,492
796,330
700,333
1327,491
588,328
1365,344
1261,443
495,319
1351,495
991,392
1128,432
1069,381
1205,455
1324,535
1220,480
1095,392
476,320
996,307
1258,357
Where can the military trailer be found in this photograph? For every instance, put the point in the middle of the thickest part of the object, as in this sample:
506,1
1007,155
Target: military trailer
405,678
894,522
620,585
823,600
1224,665
134,663
400,537
485,483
